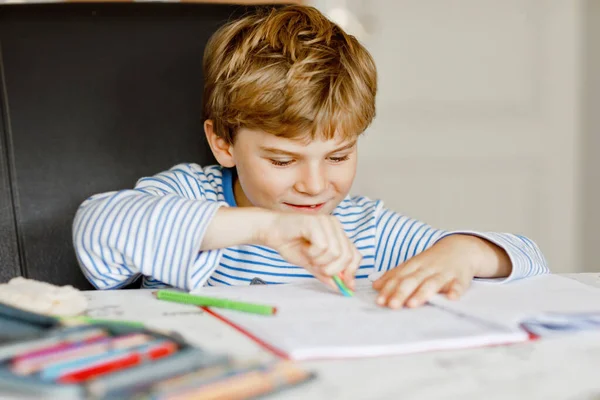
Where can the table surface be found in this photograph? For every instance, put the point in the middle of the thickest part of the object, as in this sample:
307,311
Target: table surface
561,368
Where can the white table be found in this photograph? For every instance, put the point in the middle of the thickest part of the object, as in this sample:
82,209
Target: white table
565,368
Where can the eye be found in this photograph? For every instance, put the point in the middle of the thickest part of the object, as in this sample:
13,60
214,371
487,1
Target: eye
339,159
281,163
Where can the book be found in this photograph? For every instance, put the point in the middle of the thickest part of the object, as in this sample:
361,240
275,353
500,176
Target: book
314,322
552,302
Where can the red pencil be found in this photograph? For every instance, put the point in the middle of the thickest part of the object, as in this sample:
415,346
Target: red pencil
126,361
70,341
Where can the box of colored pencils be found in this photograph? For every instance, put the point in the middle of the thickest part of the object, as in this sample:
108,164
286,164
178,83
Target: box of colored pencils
82,358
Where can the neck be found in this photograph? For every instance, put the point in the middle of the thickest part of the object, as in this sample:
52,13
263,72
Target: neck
240,197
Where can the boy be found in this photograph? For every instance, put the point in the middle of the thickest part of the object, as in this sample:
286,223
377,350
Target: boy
287,94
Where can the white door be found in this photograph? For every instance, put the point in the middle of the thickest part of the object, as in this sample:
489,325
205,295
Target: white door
478,115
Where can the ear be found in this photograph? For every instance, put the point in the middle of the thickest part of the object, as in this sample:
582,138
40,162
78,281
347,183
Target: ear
220,148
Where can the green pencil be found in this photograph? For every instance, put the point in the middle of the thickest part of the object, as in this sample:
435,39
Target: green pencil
186,298
345,290
89,320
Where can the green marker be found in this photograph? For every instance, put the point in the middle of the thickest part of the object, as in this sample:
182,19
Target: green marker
342,287
186,298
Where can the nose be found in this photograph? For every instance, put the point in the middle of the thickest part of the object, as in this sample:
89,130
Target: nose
312,180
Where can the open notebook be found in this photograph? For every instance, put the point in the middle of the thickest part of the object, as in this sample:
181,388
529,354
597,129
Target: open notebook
314,322
546,305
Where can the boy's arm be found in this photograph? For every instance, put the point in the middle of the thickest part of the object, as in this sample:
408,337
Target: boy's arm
172,229
422,261
400,238
153,230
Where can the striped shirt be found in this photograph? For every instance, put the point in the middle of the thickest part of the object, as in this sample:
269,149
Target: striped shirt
155,231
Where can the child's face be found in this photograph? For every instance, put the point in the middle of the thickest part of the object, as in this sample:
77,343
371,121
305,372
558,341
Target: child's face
290,175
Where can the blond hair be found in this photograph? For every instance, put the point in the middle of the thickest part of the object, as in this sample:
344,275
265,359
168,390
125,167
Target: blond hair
290,72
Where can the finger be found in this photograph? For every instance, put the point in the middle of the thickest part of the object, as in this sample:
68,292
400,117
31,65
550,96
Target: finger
332,250
451,289
341,242
380,282
448,286
454,292
326,280
428,289
400,271
340,247
313,232
404,288
458,288
348,275
350,272
337,264
388,287
350,257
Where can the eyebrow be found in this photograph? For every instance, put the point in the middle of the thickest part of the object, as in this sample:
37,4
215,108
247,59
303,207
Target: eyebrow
274,150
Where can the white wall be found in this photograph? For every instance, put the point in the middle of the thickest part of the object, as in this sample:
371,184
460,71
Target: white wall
591,136
479,115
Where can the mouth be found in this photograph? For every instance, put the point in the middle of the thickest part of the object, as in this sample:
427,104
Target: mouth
305,207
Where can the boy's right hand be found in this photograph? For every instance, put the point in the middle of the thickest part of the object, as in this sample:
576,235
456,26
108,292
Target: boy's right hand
317,243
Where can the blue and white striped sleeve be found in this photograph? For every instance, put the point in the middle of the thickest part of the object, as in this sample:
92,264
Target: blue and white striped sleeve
398,238
154,230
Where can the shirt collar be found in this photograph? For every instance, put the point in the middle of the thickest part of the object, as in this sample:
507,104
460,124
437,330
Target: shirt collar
228,176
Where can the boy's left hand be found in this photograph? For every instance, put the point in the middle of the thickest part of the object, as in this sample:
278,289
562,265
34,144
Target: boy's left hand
446,267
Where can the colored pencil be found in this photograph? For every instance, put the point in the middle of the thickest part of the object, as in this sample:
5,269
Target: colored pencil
28,365
90,320
37,348
186,298
87,367
342,287
127,361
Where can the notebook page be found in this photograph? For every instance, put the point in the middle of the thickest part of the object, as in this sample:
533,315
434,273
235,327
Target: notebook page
132,304
312,322
510,304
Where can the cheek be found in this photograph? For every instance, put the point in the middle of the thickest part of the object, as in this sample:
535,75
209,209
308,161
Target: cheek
342,176
261,182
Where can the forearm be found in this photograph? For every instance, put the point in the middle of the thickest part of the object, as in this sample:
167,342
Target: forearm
236,226
495,262
123,234
487,259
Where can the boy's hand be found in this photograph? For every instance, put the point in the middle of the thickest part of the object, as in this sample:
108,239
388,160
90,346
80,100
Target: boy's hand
447,267
317,243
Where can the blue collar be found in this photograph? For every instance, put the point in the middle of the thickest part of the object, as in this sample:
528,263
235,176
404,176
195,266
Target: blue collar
228,174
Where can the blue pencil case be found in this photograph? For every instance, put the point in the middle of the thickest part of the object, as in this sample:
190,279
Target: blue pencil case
93,358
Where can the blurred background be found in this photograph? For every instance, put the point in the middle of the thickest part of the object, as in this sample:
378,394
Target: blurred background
487,116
